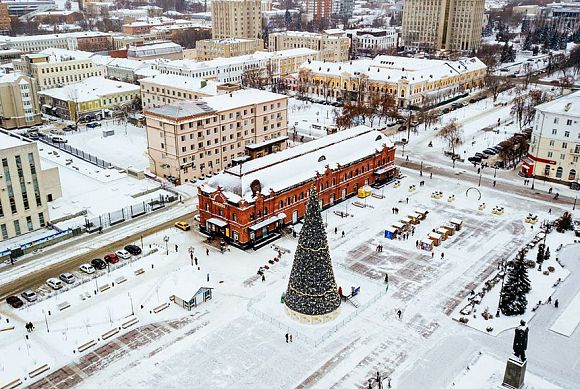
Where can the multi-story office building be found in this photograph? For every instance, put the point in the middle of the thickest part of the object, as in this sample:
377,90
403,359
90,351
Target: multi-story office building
189,139
208,49
23,7
236,19
442,24
86,40
56,67
278,63
330,48
373,41
19,106
318,9
25,189
408,80
94,97
555,146
165,89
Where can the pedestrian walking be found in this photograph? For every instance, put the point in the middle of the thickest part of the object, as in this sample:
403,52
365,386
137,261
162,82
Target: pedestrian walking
263,277
335,230
176,248
343,234
195,259
386,278
407,200
407,158
431,175
290,338
549,299
494,184
399,313
556,303
432,255
287,336
206,251
550,211
442,255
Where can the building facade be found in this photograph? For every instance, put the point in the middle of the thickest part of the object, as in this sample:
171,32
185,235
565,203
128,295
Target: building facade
411,81
5,21
231,70
56,68
92,98
248,204
373,41
19,105
236,19
25,189
330,48
318,9
86,40
555,146
187,140
209,49
442,24
167,50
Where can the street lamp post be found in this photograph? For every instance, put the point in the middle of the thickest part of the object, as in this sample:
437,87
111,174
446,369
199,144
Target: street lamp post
166,240
46,320
131,300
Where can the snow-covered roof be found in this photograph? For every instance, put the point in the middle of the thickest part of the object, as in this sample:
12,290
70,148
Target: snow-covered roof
390,68
89,89
207,87
241,98
58,55
299,164
181,109
28,38
10,77
7,141
305,34
566,105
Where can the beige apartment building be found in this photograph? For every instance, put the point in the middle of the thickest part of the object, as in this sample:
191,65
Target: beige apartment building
25,189
236,19
209,49
165,89
187,140
442,24
5,21
53,71
330,48
19,106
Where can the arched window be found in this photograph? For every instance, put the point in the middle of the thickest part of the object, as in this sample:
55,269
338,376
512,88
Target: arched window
559,172
572,175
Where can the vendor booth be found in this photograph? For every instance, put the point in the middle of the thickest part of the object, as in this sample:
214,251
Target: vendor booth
364,192
398,227
443,232
457,223
450,230
435,238
390,232
426,245
422,213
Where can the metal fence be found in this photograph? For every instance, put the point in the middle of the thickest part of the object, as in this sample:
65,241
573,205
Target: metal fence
77,153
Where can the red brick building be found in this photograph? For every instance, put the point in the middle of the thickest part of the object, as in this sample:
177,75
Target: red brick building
248,204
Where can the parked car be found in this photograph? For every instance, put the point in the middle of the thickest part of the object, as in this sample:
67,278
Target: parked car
489,152
474,159
86,268
68,128
99,264
93,125
391,124
183,226
14,301
400,121
123,254
111,258
133,249
69,278
54,283
58,139
481,155
56,131
29,295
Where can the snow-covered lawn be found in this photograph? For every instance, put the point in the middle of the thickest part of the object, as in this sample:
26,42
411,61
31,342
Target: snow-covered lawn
126,149
543,287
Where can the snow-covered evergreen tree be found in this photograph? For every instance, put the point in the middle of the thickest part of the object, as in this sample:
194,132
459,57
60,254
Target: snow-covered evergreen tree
513,295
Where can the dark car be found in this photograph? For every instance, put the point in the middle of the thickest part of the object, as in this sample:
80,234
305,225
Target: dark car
111,258
14,301
489,152
98,263
474,159
93,125
133,250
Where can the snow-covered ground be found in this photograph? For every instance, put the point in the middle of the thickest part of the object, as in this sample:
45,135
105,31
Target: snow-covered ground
224,343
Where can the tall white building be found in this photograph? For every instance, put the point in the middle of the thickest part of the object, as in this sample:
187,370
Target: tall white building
236,18
442,24
555,147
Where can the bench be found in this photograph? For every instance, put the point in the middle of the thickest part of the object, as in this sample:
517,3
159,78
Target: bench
120,280
104,287
12,384
62,306
161,307
6,329
87,345
39,370
110,333
129,323
138,272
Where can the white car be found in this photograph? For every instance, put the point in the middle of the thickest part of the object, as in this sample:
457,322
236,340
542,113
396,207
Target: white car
123,254
86,268
29,295
69,278
54,283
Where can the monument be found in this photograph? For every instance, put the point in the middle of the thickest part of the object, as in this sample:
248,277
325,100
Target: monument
312,294
515,369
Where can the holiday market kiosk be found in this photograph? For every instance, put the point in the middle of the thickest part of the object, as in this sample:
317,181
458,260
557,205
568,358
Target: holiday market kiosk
435,238
457,223
390,233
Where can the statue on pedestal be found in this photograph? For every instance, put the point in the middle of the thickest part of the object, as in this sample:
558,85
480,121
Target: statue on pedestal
515,370
521,341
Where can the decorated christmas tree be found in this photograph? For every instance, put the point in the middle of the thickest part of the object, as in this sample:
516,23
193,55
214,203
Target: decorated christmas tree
513,295
312,288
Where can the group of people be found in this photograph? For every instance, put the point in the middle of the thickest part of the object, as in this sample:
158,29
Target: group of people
556,302
288,338
380,248
395,211
29,326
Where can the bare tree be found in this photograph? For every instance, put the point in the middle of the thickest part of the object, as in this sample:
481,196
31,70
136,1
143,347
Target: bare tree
452,135
252,78
74,112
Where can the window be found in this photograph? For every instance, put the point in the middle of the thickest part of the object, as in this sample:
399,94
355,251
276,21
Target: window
29,223
17,227
569,122
549,154
567,134
559,172
552,142
554,131
564,145
4,231
572,175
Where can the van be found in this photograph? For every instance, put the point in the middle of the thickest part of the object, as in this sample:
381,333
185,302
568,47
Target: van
58,139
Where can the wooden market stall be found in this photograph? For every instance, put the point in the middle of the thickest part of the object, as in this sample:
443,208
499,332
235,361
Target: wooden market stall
457,223
364,192
443,232
435,237
406,221
398,227
450,230
391,233
426,245
422,212
415,217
